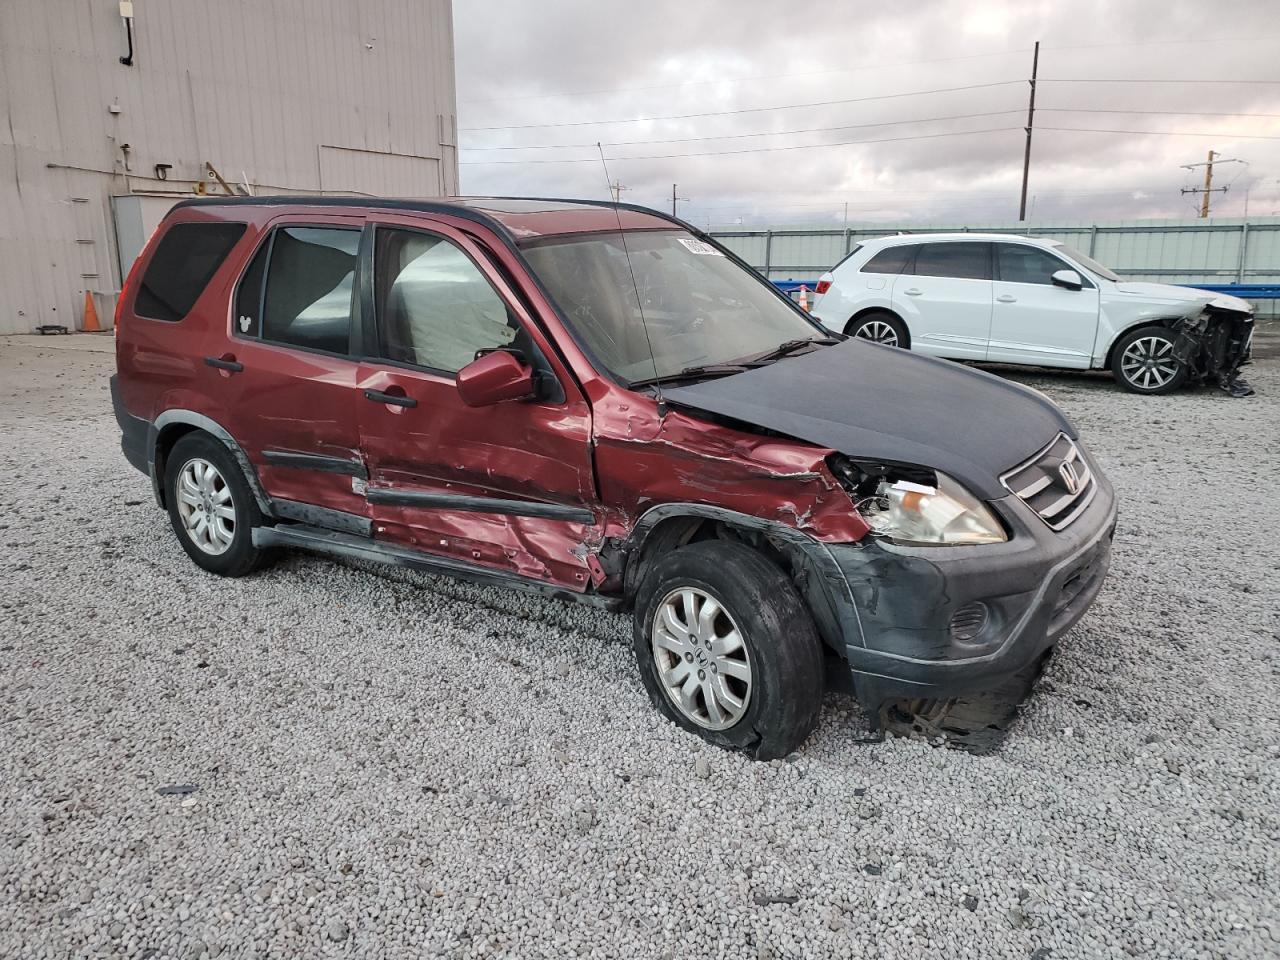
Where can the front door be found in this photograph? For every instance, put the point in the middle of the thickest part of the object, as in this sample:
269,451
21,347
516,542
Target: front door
1035,321
507,486
290,369
944,296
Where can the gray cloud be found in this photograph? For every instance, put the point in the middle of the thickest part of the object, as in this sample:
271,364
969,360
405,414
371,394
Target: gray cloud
558,63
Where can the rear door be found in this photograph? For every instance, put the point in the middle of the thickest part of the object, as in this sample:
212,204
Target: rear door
507,486
945,298
1035,321
290,370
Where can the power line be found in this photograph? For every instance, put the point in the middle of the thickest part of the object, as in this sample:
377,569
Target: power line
1167,133
1164,113
743,136
1135,80
722,153
723,80
872,66
726,113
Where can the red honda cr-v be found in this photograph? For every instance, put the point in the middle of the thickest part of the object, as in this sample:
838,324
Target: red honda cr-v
597,402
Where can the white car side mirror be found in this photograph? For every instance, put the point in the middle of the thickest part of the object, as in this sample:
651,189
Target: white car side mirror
1069,279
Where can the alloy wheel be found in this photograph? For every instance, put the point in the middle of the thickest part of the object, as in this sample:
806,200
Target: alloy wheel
878,331
701,658
1148,363
205,506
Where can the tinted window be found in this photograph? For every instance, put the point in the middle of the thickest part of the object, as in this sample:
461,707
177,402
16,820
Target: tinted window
890,260
186,259
308,288
435,308
1021,264
968,261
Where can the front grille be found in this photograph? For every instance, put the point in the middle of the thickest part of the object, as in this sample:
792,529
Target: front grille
1056,483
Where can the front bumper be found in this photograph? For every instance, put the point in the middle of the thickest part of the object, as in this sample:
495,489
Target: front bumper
896,613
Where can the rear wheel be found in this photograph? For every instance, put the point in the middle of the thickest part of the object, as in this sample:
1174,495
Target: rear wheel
1143,361
879,326
728,650
211,508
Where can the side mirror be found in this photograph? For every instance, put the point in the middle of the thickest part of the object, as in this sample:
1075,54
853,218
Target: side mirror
1069,279
494,378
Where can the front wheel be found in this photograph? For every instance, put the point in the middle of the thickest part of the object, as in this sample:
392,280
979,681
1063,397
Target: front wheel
728,650
879,326
1143,361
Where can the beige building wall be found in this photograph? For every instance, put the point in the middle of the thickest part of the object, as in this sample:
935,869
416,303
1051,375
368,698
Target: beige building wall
276,96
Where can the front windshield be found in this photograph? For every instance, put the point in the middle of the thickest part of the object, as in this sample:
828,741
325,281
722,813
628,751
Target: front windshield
1106,273
700,307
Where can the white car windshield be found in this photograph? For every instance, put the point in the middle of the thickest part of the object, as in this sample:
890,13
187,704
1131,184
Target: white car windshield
701,308
1106,273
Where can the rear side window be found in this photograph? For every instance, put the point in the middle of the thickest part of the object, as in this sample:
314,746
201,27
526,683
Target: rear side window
298,288
890,260
962,260
187,257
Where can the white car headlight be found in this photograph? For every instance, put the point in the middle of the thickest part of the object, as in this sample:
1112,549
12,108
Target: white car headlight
915,513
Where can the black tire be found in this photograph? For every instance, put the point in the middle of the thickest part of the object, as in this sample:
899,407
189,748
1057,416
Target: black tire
1123,368
861,326
779,639
240,557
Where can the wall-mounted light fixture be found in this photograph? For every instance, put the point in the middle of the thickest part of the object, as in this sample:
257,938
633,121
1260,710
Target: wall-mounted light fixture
126,14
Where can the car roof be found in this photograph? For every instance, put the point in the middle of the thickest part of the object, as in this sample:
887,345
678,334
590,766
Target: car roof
957,235
520,218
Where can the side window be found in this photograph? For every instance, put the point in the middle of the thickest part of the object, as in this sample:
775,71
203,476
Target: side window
188,256
1022,264
963,260
434,307
306,301
890,260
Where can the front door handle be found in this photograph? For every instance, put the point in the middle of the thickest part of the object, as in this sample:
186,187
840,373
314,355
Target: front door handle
1005,298
395,399
225,362
913,292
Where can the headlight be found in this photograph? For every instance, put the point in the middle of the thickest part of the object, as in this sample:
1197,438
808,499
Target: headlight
911,512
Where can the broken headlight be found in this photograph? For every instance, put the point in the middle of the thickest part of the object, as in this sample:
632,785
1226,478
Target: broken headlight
911,505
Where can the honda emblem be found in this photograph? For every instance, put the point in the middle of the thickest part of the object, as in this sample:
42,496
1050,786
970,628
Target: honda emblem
1070,479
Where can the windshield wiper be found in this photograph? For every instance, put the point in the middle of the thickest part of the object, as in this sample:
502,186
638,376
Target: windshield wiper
699,372
785,349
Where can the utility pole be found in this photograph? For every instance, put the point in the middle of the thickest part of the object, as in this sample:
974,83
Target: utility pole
1031,117
674,198
616,189
1208,188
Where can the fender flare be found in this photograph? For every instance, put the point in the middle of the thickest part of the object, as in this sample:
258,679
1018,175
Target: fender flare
820,580
210,426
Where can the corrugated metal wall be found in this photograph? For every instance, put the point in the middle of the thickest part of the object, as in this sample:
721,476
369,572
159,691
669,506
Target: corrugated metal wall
287,96
1168,251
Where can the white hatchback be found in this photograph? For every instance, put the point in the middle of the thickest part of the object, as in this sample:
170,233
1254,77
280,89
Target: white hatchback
1010,299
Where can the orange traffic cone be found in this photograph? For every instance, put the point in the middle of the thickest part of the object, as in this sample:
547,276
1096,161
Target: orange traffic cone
804,298
91,324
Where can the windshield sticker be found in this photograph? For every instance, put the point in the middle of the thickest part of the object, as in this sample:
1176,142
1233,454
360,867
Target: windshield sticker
698,247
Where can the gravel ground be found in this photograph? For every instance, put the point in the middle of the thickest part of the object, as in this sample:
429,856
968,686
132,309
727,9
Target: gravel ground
389,765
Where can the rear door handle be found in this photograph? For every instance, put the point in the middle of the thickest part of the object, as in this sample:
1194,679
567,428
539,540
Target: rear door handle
1005,298
224,363
395,399
913,292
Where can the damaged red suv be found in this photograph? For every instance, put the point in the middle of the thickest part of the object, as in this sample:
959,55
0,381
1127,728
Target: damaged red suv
599,403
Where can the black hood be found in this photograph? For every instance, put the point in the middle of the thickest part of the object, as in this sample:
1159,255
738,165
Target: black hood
880,403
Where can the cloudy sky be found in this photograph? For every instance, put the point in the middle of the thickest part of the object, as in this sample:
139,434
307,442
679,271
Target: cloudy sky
771,112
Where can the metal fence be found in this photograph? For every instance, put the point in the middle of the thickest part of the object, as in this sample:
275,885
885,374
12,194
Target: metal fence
1217,252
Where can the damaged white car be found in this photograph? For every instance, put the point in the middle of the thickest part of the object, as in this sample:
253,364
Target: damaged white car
1010,299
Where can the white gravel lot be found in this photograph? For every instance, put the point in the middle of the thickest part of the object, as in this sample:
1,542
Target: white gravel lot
392,765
